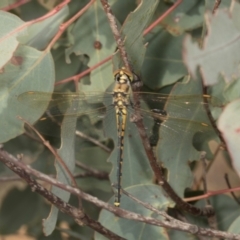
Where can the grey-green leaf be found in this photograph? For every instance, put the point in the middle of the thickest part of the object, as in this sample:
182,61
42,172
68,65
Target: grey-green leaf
219,54
29,70
229,125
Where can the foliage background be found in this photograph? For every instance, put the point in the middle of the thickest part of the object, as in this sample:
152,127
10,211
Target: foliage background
171,53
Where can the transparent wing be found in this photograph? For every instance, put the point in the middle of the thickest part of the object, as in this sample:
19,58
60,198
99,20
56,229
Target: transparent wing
59,102
154,100
175,113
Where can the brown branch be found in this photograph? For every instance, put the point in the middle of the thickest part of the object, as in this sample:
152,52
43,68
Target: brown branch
155,23
197,183
157,169
92,172
212,221
79,216
116,34
51,149
90,139
81,134
25,170
181,224
216,5
204,175
146,31
229,185
84,73
54,152
15,5
10,179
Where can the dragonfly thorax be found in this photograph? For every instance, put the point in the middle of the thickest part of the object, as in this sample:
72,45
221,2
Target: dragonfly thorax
120,99
121,94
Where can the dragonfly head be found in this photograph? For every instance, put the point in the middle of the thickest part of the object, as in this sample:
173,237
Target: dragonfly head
125,76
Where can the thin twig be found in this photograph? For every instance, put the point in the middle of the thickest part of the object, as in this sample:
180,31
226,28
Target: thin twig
15,5
84,73
156,211
90,139
146,31
204,175
10,179
197,183
229,185
27,24
216,5
81,134
92,172
79,216
88,174
212,221
155,23
54,152
116,34
25,170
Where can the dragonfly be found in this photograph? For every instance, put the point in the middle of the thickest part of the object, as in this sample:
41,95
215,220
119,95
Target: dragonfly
121,101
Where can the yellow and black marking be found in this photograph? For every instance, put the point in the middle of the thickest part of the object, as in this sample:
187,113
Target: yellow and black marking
121,101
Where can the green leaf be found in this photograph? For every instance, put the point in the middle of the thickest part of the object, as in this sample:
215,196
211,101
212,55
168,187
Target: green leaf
130,229
175,147
226,209
95,158
41,33
14,214
66,152
32,70
91,28
229,125
220,51
6,3
231,90
209,4
9,25
163,65
187,16
65,70
234,227
132,32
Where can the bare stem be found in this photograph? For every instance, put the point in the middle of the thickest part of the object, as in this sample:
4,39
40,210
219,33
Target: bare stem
91,172
24,172
77,214
216,5
232,193
116,34
54,152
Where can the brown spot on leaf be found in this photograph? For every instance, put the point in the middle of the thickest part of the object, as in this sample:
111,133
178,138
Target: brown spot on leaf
16,60
97,45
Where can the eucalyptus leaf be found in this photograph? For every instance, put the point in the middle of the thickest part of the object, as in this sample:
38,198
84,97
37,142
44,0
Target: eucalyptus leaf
67,154
187,16
229,126
219,51
93,36
10,31
129,229
33,70
175,147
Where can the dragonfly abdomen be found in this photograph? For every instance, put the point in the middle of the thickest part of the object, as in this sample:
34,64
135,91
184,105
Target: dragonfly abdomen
121,102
